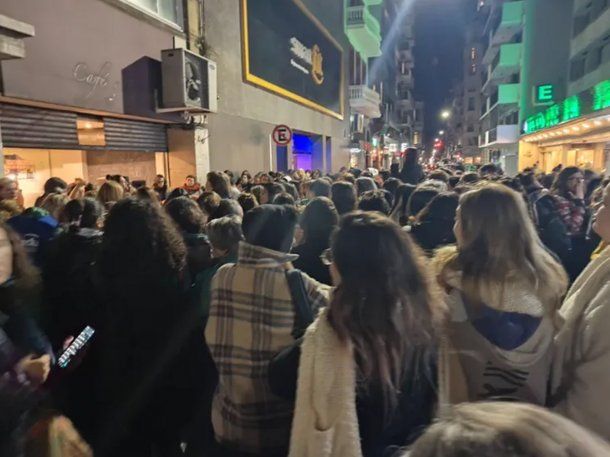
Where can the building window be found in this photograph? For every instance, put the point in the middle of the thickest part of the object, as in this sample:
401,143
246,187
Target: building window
169,10
470,103
577,69
473,54
470,128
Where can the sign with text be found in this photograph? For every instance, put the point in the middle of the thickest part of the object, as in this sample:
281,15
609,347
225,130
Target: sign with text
287,51
282,135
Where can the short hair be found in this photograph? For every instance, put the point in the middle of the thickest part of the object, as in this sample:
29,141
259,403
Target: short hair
227,207
439,175
271,226
273,189
391,184
208,202
220,183
225,232
55,185
420,198
319,219
247,201
320,187
374,200
488,169
176,193
469,178
283,198
186,214
365,184
344,196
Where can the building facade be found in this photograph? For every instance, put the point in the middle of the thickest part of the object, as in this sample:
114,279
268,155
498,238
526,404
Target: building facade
86,99
573,127
363,30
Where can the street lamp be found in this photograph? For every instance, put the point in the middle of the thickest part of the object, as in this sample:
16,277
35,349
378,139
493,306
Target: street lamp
445,114
441,132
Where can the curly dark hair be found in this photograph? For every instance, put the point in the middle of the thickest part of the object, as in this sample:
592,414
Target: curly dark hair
187,215
140,239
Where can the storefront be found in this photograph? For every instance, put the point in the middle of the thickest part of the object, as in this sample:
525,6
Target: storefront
40,143
574,132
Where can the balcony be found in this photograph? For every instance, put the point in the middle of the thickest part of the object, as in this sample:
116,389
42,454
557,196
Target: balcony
507,62
505,99
405,101
509,25
365,101
502,134
405,78
404,55
363,31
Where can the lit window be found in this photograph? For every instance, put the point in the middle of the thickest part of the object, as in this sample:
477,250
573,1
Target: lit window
170,10
473,54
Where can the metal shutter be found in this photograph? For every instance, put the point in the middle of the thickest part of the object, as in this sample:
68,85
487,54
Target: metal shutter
29,127
124,135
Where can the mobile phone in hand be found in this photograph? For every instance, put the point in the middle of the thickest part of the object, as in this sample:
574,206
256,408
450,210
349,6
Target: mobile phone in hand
75,347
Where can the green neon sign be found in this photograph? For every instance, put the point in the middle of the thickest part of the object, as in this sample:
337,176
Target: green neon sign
587,102
545,93
601,95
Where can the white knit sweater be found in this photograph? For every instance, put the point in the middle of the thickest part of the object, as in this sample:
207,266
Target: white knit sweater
325,419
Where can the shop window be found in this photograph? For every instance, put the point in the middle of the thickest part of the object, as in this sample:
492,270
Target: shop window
169,10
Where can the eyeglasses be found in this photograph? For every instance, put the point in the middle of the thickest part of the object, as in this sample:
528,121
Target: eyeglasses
327,257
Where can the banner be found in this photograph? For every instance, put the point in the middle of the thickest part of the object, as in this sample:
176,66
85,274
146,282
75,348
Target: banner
289,52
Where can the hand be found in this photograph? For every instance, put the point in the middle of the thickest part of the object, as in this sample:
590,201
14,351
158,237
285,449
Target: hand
36,369
580,190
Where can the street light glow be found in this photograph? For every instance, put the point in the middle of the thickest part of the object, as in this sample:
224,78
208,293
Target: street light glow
445,114
441,132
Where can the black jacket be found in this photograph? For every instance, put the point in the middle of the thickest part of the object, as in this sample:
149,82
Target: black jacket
412,174
309,260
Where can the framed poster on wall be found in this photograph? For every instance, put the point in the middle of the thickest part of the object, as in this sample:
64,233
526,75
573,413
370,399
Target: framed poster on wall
287,51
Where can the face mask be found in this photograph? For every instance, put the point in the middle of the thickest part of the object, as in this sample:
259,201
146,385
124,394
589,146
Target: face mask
6,257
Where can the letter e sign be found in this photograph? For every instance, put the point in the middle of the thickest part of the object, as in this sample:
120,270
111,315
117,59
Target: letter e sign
282,135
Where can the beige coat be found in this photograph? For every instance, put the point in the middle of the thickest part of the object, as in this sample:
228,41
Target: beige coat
582,361
325,420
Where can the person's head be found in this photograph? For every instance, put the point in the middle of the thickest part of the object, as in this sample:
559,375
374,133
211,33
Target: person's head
411,156
229,174
439,175
269,191
453,181
257,191
391,184
271,227
374,200
365,184
344,197
529,181
568,180
513,183
219,182
55,185
159,182
419,199
489,171
498,243
247,201
319,188
146,193
8,189
227,207
83,213
110,192
224,233
208,202
187,215
176,193
141,241
602,217
385,301
441,209
54,204
318,220
506,429
190,181
284,198
470,178
14,261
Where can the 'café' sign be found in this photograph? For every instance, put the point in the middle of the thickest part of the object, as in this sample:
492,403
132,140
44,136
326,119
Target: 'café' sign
94,79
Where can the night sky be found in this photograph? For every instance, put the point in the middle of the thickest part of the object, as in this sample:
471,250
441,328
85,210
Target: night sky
439,41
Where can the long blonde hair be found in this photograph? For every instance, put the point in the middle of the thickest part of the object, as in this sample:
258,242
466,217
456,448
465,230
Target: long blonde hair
499,246
503,429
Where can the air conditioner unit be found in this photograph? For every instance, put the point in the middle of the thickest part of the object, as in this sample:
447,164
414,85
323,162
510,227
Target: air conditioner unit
189,81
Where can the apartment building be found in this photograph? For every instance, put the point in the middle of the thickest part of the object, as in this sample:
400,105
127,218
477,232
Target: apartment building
573,128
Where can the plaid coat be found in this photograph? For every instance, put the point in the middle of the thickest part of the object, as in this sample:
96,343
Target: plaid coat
251,320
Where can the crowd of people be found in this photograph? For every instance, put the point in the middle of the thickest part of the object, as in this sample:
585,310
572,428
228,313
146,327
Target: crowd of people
367,313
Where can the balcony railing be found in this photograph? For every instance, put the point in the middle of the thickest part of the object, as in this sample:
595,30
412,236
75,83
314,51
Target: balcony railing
365,100
363,31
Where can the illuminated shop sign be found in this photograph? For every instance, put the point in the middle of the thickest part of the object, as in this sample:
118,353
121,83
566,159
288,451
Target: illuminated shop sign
587,102
288,51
